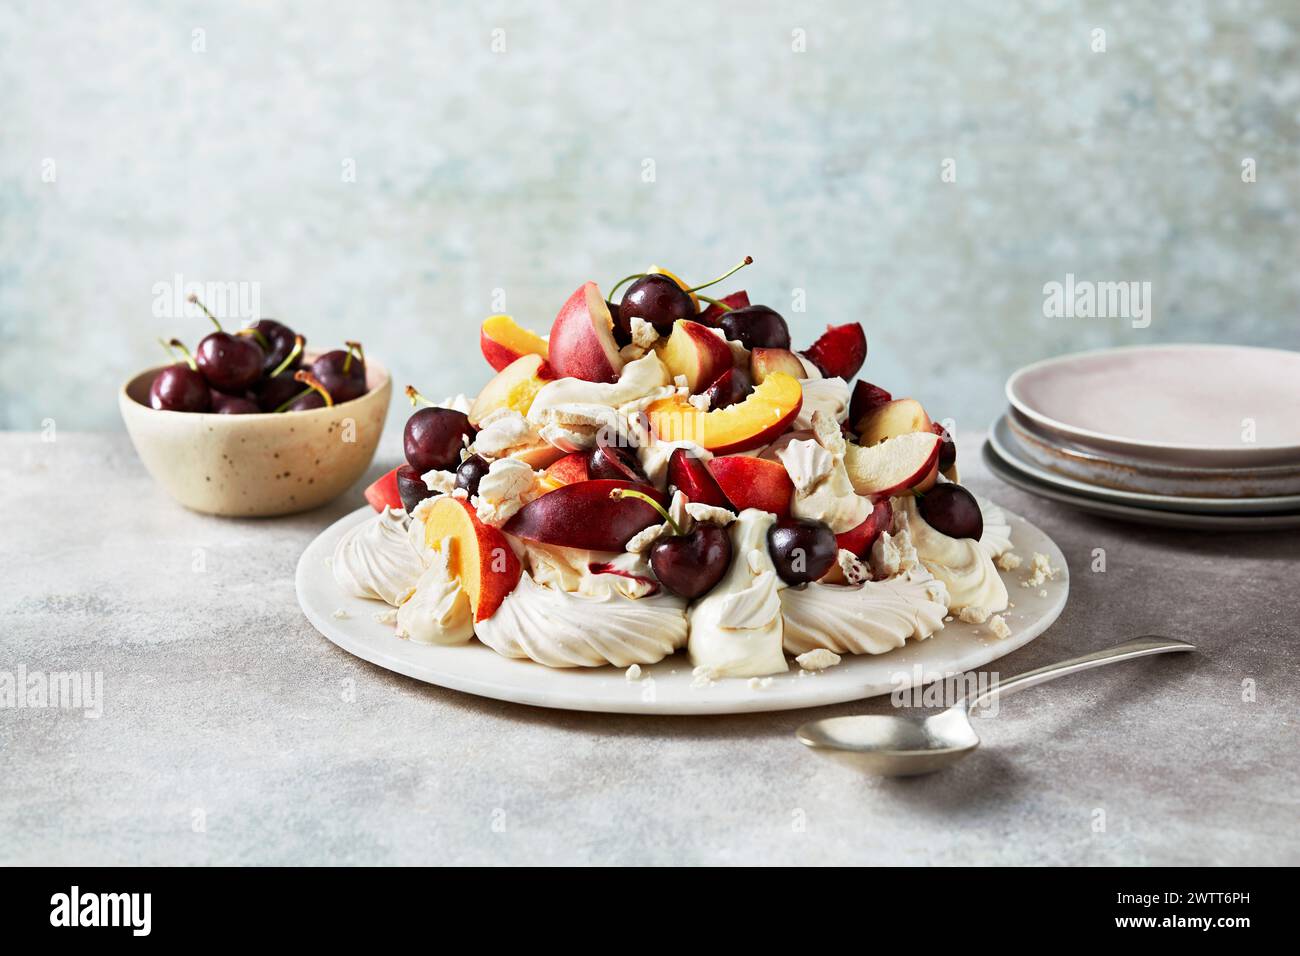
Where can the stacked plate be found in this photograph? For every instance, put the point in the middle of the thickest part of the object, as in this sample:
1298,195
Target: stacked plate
1194,436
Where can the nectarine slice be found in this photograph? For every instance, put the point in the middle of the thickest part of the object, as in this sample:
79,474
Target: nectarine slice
502,340
767,412
751,482
481,558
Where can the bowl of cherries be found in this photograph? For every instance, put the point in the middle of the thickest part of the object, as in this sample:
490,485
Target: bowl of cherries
252,423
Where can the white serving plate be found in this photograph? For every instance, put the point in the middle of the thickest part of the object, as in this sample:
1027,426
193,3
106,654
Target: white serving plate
1005,440
1177,404
667,687
1089,504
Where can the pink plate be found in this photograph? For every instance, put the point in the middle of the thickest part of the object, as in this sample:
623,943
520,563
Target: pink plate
1225,406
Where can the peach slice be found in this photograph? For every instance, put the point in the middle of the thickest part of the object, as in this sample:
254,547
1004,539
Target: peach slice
481,558
896,464
765,414
860,539
902,416
695,353
763,362
515,386
583,515
582,338
502,341
753,483
572,467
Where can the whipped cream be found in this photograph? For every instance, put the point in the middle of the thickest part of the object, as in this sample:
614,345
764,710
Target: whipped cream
830,396
377,559
996,539
574,629
871,618
823,490
437,611
638,380
963,565
736,629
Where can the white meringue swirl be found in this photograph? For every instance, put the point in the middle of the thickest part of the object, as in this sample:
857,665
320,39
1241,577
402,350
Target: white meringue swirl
377,559
871,618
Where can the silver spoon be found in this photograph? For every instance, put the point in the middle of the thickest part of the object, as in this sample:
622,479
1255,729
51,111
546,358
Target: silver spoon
905,746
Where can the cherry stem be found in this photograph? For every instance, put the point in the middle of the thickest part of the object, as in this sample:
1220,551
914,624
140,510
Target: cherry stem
178,344
748,260
632,493
288,359
361,356
261,339
717,303
625,279
307,378
195,299
414,395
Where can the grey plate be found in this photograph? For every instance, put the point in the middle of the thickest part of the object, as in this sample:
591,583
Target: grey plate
1168,519
1008,448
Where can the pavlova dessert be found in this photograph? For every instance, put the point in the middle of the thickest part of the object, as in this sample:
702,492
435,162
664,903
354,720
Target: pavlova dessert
663,473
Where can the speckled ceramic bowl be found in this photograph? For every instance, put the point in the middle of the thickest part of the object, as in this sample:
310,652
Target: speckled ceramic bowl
257,465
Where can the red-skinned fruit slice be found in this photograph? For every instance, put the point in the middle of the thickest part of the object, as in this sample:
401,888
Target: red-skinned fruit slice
866,397
383,493
860,539
840,351
583,515
691,476
753,483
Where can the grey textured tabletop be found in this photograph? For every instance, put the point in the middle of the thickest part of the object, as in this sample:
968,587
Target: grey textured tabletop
231,732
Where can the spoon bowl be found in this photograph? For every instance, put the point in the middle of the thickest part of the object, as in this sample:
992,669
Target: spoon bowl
906,746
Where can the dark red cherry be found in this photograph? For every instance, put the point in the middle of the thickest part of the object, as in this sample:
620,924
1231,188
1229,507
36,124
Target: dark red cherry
691,564
179,388
281,340
230,363
952,510
411,488
756,326
802,550
656,299
224,404
948,450
434,438
470,473
342,372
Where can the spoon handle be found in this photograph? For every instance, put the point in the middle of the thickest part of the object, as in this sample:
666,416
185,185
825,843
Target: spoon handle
1138,647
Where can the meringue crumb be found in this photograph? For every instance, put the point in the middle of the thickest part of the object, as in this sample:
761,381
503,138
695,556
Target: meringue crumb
1042,592
1041,570
948,619
1009,561
704,676
386,616
999,627
973,615
760,683
633,673
341,614
818,659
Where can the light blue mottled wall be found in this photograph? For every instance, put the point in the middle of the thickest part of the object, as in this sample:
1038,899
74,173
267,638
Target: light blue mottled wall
522,170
